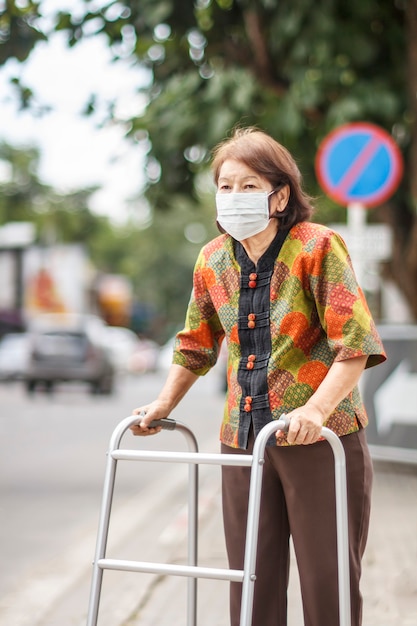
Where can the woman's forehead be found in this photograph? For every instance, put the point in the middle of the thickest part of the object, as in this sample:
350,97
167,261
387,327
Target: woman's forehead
232,168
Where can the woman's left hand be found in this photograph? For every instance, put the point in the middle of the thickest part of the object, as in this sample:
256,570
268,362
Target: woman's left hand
305,426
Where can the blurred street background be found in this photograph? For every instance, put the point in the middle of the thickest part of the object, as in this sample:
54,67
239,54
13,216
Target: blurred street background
109,112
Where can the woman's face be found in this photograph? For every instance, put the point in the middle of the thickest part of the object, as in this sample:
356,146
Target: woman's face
237,177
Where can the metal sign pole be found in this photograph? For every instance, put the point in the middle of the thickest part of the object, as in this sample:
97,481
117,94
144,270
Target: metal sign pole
356,223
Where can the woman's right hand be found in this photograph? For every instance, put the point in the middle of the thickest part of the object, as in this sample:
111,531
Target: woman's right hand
157,410
178,382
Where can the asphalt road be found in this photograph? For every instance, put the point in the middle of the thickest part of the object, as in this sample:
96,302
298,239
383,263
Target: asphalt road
52,461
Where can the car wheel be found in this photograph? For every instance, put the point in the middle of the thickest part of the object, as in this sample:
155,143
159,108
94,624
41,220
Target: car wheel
107,385
30,386
95,387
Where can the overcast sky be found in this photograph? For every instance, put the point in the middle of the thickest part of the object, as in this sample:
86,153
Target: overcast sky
74,153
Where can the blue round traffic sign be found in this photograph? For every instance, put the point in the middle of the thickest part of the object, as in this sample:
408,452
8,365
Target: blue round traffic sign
359,162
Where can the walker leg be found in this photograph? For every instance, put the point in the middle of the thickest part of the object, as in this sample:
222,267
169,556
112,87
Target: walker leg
102,535
254,506
253,523
192,543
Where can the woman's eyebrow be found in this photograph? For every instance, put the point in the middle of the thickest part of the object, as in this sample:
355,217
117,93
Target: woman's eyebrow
248,177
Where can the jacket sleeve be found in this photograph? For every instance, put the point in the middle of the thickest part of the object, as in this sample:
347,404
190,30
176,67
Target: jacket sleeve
197,345
341,304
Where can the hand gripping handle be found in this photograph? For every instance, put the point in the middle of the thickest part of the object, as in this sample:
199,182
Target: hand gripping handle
287,420
165,423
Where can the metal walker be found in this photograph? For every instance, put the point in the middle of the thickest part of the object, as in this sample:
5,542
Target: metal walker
192,571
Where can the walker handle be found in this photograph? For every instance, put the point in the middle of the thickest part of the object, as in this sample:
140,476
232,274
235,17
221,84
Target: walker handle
166,424
169,424
285,419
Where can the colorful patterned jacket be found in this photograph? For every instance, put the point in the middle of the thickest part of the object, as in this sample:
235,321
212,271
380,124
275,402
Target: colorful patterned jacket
285,322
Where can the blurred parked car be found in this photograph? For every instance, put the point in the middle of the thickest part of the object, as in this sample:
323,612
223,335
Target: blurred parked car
122,343
128,352
14,354
69,348
145,358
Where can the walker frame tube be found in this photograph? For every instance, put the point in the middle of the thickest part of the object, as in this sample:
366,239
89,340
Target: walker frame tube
100,563
253,523
247,576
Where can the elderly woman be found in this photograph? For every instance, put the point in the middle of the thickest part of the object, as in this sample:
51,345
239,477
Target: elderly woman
282,293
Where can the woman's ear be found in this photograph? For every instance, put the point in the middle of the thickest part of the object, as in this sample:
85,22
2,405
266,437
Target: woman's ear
280,199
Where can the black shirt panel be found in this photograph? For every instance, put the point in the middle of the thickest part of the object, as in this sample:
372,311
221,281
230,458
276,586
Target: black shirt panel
255,337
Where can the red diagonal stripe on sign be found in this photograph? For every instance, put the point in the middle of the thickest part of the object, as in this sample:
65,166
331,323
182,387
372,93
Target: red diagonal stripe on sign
358,165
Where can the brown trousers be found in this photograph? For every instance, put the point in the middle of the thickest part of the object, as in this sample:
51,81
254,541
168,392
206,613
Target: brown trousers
298,500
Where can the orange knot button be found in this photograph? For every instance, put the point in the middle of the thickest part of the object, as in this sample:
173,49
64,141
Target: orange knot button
248,404
251,322
251,362
252,280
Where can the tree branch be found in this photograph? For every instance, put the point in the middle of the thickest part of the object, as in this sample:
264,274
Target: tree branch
263,66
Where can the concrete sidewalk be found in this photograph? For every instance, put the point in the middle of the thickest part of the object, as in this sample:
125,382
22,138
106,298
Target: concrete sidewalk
155,529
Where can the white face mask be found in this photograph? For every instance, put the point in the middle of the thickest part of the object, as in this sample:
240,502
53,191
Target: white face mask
243,215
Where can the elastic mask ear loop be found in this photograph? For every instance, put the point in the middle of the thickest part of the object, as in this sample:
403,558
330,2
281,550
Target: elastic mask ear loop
277,214
280,186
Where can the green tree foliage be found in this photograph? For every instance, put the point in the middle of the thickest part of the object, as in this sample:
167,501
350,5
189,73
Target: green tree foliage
23,197
18,31
295,68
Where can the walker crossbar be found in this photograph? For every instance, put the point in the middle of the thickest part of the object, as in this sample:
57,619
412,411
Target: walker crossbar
247,576
196,458
235,575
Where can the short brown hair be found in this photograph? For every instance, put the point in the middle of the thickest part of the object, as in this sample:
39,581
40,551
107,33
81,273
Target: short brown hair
271,160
